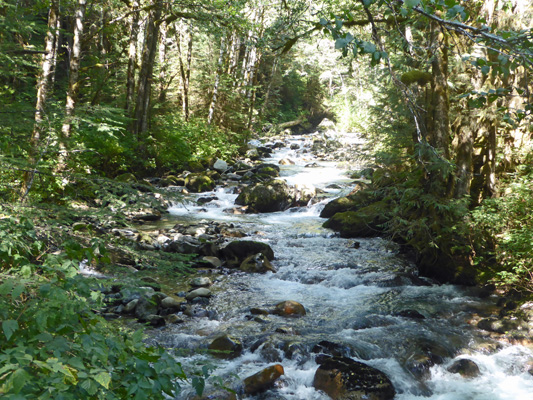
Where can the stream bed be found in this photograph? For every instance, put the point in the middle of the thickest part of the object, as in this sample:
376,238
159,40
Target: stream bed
360,294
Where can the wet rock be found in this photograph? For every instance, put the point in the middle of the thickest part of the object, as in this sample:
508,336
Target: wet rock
286,161
342,378
237,251
204,200
130,306
201,292
199,182
303,194
201,281
497,325
464,367
258,311
173,319
214,261
366,222
257,263
419,365
289,308
347,203
412,314
226,347
270,196
331,349
145,214
154,320
263,380
295,146
253,154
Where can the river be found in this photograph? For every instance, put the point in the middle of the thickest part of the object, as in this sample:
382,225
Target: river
358,294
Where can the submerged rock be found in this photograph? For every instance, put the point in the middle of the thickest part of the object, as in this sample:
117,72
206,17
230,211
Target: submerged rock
342,378
263,380
464,367
257,263
289,308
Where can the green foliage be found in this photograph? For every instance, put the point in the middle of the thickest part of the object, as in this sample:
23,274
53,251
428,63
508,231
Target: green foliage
176,141
54,346
503,229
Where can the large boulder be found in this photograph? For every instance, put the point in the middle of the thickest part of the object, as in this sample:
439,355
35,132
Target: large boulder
352,202
342,378
270,196
365,222
239,250
199,182
263,380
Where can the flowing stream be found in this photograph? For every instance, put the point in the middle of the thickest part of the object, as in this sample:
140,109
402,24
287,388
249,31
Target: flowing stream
355,292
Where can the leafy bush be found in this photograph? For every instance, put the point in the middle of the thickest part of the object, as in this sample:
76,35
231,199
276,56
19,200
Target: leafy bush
54,345
504,228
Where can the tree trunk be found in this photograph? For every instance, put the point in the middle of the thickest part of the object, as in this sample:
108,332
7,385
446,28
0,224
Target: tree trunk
44,82
266,98
74,70
185,71
142,102
132,57
438,126
220,62
163,63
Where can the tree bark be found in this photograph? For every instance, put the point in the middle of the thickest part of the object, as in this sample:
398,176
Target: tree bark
185,71
220,63
132,57
44,82
438,125
142,102
74,69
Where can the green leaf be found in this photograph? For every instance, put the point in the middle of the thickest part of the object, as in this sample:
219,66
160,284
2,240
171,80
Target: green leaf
6,287
18,379
104,379
19,289
9,326
485,69
411,3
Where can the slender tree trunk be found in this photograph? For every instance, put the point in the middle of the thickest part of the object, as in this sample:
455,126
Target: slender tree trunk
44,82
74,69
266,98
220,62
234,57
438,125
185,71
465,135
163,63
142,102
132,57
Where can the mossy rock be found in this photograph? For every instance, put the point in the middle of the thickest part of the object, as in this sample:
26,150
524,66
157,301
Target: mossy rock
365,222
239,250
415,76
226,347
195,166
198,183
271,196
351,202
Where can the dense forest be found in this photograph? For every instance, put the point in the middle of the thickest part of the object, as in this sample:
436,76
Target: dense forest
104,103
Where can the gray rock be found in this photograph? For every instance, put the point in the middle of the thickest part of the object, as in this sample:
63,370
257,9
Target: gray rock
214,261
220,165
201,292
201,281
130,306
226,347
171,302
257,263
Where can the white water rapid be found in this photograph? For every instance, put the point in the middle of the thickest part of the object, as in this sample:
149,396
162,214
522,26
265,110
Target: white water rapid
353,290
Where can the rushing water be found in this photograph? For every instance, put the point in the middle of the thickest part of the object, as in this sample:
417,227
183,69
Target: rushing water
353,290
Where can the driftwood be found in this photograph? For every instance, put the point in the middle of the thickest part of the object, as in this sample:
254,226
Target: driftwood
289,124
